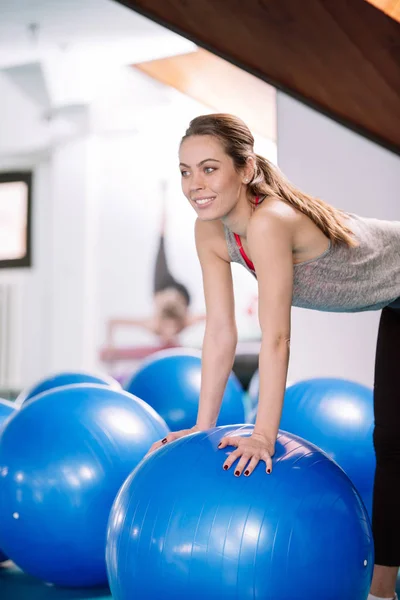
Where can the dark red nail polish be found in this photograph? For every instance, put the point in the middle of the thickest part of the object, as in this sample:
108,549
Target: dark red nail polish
226,467
219,445
268,470
246,473
237,473
164,441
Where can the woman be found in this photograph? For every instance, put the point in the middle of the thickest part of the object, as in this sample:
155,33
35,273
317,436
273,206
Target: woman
304,253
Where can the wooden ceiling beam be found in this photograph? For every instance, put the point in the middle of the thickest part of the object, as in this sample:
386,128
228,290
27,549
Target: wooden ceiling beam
390,7
341,57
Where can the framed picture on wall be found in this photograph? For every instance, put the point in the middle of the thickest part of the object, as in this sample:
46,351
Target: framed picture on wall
15,219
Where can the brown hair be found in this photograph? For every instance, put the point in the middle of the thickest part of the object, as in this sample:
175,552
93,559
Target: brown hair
268,180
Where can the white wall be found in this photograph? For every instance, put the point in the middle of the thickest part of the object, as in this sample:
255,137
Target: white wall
29,318
352,173
73,237
23,139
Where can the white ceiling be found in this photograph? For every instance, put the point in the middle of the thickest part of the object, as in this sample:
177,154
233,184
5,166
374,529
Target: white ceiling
58,50
69,21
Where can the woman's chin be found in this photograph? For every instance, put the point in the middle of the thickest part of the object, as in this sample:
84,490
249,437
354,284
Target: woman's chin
209,215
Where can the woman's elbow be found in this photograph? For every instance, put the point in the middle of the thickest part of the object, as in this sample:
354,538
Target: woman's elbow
277,341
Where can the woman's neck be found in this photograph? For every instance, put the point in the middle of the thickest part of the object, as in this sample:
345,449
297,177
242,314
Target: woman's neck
238,218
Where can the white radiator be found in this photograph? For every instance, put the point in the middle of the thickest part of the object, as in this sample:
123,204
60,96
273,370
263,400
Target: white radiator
10,334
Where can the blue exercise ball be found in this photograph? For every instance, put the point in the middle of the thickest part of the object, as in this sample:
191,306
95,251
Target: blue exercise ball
6,410
182,527
251,399
63,457
337,416
65,378
170,382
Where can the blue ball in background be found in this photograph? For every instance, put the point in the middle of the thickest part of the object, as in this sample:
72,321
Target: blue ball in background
63,458
65,378
170,382
337,416
251,398
182,527
6,410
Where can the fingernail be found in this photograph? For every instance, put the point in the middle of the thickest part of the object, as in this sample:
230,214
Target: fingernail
246,473
164,441
226,467
268,470
237,473
219,445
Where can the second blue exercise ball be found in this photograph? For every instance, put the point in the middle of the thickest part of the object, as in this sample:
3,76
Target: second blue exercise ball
182,527
63,457
65,378
337,416
6,410
170,382
251,399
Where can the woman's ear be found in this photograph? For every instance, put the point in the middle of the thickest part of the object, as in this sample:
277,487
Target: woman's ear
250,170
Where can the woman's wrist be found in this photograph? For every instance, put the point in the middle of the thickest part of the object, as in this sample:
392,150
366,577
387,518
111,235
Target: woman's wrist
203,425
268,437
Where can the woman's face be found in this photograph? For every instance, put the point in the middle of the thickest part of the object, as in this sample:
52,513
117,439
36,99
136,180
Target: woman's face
209,179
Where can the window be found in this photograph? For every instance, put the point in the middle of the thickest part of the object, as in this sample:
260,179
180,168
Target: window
15,219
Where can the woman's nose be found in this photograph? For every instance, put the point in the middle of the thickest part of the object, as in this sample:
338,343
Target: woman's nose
197,182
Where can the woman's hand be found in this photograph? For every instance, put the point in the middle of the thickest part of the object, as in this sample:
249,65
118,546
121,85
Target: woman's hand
250,450
174,435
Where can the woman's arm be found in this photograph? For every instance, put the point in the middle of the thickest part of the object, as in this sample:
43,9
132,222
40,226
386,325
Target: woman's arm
220,337
270,240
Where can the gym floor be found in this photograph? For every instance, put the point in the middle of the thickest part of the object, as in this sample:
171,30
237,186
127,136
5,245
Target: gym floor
15,585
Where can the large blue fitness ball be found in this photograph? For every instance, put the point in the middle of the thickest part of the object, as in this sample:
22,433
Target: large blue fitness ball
182,527
170,382
63,457
65,378
6,410
337,416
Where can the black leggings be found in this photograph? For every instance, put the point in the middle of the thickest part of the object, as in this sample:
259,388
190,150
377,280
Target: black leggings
386,503
163,278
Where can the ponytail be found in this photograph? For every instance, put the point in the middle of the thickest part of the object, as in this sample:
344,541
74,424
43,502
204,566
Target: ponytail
269,181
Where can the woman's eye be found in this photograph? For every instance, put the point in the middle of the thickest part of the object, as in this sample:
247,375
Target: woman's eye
209,169
184,173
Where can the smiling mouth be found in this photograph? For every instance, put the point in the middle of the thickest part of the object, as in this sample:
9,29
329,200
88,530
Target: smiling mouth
203,202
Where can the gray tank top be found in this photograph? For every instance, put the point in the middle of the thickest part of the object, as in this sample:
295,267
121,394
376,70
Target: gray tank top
344,279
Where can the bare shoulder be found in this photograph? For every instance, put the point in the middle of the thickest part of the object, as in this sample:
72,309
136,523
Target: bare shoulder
210,238
275,217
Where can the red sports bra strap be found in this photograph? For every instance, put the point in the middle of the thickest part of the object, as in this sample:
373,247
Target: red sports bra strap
241,249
